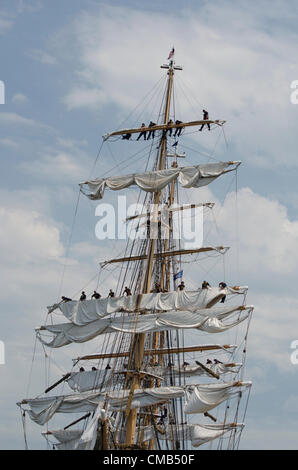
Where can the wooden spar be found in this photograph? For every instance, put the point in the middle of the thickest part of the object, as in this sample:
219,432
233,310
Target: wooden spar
65,377
166,254
161,127
209,371
174,209
148,352
137,346
77,421
210,416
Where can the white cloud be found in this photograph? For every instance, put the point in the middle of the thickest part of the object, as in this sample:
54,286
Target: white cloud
26,236
268,239
224,66
42,56
17,119
5,25
61,166
19,98
8,142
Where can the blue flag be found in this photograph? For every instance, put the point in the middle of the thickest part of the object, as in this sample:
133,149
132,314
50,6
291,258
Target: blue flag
176,276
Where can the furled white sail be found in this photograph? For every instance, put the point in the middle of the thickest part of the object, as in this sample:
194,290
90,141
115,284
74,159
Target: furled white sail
41,410
83,312
94,379
200,399
208,320
79,439
189,177
198,434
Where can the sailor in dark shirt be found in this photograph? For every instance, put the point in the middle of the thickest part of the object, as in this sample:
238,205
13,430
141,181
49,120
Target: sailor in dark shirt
65,299
126,136
178,129
127,291
95,295
151,132
222,285
206,118
111,293
83,296
181,286
205,284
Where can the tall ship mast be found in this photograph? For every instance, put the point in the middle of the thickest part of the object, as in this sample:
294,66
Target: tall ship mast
138,391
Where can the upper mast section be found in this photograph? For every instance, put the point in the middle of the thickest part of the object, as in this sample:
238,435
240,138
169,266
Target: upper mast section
171,65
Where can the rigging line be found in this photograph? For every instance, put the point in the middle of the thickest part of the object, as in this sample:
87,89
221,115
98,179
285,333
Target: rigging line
68,245
146,104
112,155
204,154
237,224
31,367
142,100
244,414
95,161
215,146
131,158
194,97
23,418
224,134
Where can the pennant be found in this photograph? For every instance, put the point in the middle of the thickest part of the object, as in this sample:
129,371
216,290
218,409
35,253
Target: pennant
178,275
171,54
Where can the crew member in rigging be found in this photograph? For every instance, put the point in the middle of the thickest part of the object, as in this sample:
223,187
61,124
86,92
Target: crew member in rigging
178,129
126,136
206,118
83,296
205,285
151,132
95,295
181,286
170,130
222,285
127,291
111,293
143,133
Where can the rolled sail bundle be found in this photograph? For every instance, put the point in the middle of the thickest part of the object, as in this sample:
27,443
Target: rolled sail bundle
202,398
81,313
41,410
95,379
80,439
189,177
198,434
198,399
213,320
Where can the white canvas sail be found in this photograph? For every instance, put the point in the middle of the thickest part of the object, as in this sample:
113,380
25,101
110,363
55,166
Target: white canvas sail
93,379
189,177
209,320
198,399
198,434
81,313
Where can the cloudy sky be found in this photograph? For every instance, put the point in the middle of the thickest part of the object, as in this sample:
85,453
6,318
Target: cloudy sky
74,70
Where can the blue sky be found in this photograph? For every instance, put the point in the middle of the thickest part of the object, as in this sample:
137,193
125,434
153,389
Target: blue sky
74,70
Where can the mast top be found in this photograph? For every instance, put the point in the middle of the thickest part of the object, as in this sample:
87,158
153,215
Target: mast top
171,65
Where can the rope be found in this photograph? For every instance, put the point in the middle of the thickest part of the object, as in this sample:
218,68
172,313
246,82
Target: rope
68,246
